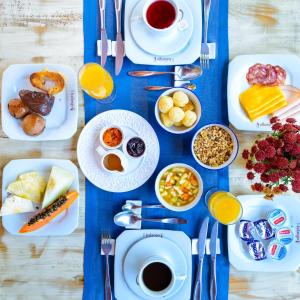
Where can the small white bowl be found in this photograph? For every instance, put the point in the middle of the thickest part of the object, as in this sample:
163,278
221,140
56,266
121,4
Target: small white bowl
192,97
234,151
101,135
178,208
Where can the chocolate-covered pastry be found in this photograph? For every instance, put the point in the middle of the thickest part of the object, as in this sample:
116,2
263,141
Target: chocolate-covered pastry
38,102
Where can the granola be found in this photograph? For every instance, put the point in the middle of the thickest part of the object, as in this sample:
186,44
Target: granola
213,146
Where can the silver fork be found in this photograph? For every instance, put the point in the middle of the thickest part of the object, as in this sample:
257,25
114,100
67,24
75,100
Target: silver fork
106,246
204,56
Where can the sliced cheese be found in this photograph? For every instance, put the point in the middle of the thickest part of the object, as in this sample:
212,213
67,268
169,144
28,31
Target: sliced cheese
258,101
15,205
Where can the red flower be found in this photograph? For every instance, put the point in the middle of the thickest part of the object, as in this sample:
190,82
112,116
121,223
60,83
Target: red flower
282,162
250,175
276,126
296,186
245,154
283,188
262,144
249,165
258,187
288,147
298,138
259,167
271,140
274,120
291,120
279,152
264,178
282,173
293,164
290,137
274,177
270,151
278,143
253,149
289,127
260,155
295,150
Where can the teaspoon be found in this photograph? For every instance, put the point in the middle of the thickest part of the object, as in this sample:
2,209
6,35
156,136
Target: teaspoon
189,86
131,206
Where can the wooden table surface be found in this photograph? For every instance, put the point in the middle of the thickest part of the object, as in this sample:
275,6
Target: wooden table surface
35,31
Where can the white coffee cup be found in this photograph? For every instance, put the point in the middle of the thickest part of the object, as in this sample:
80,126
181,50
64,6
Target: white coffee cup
177,23
174,277
104,154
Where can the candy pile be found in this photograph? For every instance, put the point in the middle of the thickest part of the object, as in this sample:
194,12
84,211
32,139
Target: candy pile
254,233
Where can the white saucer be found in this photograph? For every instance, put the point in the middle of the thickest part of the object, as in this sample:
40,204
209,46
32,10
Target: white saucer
128,238
255,207
163,45
153,246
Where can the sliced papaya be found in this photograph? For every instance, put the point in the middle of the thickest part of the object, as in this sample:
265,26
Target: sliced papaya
50,212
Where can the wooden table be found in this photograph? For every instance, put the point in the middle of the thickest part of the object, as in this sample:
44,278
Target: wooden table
51,31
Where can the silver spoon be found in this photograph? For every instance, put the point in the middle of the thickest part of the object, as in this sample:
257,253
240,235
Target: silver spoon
186,72
131,206
189,86
127,218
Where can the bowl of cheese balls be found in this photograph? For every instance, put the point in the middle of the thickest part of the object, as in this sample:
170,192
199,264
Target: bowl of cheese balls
178,110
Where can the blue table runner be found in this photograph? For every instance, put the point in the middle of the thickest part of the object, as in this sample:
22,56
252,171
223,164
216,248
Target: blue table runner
101,206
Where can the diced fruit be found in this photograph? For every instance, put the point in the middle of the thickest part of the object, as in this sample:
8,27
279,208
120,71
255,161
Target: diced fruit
15,205
59,182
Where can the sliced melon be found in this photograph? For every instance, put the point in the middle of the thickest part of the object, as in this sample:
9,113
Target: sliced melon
59,182
16,205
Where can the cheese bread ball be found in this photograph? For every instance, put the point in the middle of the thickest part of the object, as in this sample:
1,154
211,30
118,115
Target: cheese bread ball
165,103
178,124
180,99
189,119
176,114
188,106
166,120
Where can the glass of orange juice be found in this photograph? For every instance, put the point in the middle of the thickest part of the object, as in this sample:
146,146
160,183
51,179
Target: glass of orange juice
223,206
97,82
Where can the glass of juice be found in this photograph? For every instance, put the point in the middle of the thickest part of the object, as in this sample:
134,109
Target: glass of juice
97,82
223,206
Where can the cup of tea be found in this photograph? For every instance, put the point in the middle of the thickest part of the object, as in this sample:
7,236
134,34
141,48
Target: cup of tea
113,161
157,277
163,16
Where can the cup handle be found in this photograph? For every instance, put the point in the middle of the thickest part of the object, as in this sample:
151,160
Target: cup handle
182,23
100,150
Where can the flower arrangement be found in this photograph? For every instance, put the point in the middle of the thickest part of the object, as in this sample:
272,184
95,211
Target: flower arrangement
274,162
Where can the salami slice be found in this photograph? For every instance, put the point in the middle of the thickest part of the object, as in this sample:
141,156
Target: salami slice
281,75
271,78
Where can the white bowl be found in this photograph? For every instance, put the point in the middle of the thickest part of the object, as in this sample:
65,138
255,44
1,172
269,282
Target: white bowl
180,208
193,98
101,135
234,151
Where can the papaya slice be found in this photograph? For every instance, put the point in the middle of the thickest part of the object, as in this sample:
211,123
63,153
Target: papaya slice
50,212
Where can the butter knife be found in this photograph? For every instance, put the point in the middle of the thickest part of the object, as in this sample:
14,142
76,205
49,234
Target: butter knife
103,35
119,40
201,252
213,256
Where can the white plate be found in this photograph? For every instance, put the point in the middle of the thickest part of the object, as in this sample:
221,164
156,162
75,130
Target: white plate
130,237
61,123
89,159
144,249
237,83
163,45
63,224
187,55
255,207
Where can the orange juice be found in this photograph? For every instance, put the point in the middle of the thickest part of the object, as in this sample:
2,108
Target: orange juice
96,81
224,207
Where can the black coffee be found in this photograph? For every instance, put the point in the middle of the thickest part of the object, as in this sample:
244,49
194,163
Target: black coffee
157,276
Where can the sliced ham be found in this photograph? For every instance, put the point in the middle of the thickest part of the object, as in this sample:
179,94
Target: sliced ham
293,101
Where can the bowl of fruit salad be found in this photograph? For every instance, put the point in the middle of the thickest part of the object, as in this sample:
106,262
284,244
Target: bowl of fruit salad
178,187
178,110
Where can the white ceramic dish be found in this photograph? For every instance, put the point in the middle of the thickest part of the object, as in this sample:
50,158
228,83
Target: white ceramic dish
164,44
187,55
61,123
63,224
139,170
237,83
182,129
180,208
129,238
102,131
233,154
255,207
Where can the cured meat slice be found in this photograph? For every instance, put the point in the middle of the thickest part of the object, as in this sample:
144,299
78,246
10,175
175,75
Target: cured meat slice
281,74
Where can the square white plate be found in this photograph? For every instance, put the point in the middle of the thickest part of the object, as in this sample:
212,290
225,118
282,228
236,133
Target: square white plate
255,207
63,224
237,83
61,123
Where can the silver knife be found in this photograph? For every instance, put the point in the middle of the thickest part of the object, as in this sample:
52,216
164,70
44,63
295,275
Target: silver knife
213,256
201,252
103,35
119,40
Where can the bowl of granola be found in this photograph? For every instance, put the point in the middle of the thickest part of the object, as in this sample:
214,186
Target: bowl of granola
215,146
